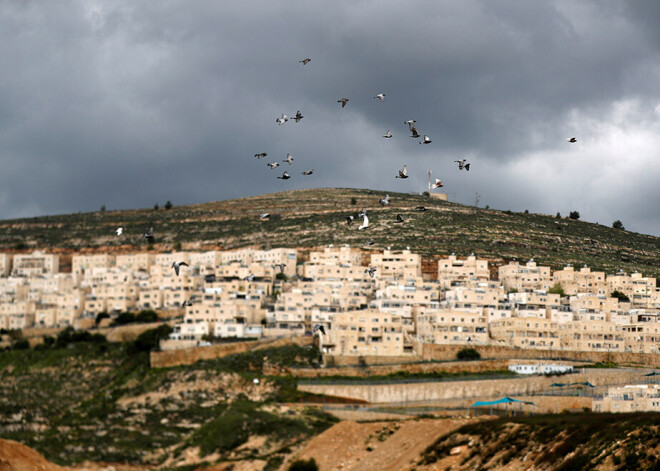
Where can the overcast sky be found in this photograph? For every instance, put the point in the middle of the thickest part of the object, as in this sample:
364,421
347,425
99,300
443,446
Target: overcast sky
131,103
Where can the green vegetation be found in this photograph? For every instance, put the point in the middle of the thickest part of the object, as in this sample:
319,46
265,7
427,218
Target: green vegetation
81,399
557,288
304,465
567,441
468,354
618,225
620,296
306,218
402,375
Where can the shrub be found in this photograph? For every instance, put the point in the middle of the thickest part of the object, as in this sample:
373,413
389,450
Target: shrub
146,315
468,354
100,316
620,296
22,344
618,225
124,318
354,201
156,207
168,205
70,335
558,215
574,215
304,465
148,340
557,289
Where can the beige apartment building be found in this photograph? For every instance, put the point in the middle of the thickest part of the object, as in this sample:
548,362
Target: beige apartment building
521,332
540,304
365,332
583,281
475,298
141,261
17,315
82,263
529,277
5,264
332,255
469,272
629,398
641,290
36,263
447,326
403,265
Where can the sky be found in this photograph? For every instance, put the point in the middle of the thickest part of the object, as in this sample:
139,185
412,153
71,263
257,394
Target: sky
128,104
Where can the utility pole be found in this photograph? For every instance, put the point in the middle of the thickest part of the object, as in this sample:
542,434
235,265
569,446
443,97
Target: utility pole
429,181
476,199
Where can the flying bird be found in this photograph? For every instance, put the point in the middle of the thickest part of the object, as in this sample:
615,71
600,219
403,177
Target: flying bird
349,219
427,140
298,117
285,176
571,139
399,218
362,213
289,159
305,61
403,173
380,96
308,172
280,266
410,123
177,265
414,132
260,156
273,164
119,230
343,102
371,271
385,201
369,242
462,164
318,328
149,235
388,134
187,303
248,278
421,208
437,184
365,222
282,119
264,216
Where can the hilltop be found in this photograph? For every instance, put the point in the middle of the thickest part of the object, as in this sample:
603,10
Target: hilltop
310,218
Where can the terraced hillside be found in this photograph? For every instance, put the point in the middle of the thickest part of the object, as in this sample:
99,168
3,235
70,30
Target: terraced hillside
308,218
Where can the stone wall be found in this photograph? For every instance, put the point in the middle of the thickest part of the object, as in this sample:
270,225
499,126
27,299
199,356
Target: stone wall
188,356
474,389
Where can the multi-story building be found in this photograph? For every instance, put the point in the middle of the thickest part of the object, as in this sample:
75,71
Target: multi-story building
82,263
629,398
641,291
529,277
583,281
366,332
36,263
5,264
447,326
403,265
469,272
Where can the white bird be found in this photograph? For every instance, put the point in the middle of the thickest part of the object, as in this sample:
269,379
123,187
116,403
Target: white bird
365,222
119,230
318,328
298,117
571,139
462,164
362,213
371,271
403,173
410,123
264,215
308,172
285,176
260,156
349,219
385,201
437,184
343,102
305,61
380,96
289,159
427,140
273,164
282,119
177,265
388,134
248,278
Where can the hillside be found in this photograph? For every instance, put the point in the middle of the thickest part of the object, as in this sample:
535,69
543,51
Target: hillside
308,218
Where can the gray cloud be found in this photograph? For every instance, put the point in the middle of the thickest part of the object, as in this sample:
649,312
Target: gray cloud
129,104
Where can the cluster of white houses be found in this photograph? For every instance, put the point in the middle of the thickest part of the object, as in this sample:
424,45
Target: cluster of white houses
390,314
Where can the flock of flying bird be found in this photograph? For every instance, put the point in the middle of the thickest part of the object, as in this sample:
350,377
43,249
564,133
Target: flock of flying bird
463,164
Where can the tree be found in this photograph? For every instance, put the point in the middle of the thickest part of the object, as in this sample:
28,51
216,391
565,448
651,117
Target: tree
574,215
620,296
304,465
147,315
468,354
168,205
618,225
150,339
124,318
100,316
353,201
558,216
156,207
557,289
103,209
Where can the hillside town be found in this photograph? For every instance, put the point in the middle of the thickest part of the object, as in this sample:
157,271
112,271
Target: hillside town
252,293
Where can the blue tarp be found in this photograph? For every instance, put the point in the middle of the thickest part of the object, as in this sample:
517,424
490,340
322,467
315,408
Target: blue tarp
586,383
557,385
655,373
504,400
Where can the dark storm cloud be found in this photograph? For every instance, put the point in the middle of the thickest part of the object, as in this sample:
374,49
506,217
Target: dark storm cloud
131,103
